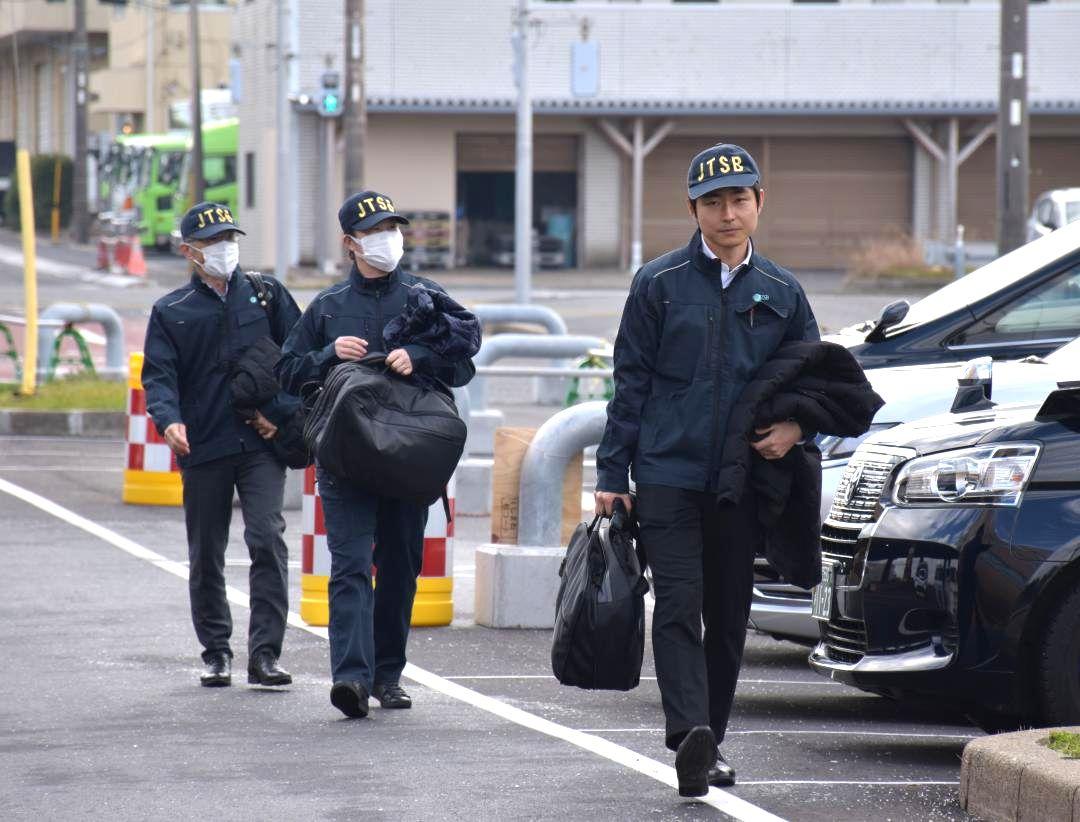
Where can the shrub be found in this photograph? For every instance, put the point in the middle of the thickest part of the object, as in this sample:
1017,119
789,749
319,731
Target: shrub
41,178
884,256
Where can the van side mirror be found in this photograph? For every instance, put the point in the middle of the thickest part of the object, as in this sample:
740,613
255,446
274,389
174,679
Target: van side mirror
974,386
891,315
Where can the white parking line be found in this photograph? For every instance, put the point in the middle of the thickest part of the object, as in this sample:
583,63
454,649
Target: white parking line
733,806
914,783
67,469
823,683
787,731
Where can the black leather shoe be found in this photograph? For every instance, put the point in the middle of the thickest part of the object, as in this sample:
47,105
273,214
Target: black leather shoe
263,669
391,695
721,775
694,759
351,698
218,671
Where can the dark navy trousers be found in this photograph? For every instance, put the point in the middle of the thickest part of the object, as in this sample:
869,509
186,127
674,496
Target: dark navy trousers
369,625
259,480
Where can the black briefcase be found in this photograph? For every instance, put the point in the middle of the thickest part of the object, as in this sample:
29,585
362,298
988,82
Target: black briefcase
599,639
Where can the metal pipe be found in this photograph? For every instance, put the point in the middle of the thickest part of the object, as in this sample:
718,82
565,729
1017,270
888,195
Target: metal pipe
534,346
282,172
517,313
105,316
637,193
557,441
524,170
528,371
464,409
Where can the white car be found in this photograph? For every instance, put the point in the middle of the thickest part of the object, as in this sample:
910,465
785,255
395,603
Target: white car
1052,210
910,393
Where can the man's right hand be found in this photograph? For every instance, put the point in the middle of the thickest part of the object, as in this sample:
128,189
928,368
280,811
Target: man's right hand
350,348
605,502
176,437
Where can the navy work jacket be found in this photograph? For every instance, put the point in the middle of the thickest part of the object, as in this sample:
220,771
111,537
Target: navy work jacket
360,307
193,340
686,348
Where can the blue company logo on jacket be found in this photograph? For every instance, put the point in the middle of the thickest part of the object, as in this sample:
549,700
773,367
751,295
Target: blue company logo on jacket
360,307
193,340
686,348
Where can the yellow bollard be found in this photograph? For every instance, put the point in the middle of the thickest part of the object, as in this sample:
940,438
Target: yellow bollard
434,602
151,475
57,171
26,217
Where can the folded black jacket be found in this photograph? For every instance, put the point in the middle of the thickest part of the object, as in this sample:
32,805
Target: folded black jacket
254,386
438,322
822,387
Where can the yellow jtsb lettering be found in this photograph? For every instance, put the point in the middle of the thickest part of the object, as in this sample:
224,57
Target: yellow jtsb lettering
736,163
701,172
360,209
712,160
723,162
228,215
390,205
202,224
221,215
382,203
370,203
209,214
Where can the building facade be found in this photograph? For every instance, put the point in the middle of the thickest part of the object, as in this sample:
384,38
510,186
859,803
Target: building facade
870,120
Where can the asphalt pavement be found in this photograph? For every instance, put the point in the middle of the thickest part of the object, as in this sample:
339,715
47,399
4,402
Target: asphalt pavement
103,717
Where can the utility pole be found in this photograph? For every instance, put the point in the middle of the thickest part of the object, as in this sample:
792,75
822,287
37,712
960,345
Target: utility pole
79,210
523,178
282,244
198,183
151,56
356,107
1012,133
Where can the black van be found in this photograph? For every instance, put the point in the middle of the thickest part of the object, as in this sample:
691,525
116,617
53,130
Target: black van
1026,302
951,562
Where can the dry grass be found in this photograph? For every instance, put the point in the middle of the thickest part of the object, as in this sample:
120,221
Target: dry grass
899,256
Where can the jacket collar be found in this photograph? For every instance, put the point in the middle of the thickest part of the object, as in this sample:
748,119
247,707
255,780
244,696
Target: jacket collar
199,284
708,265
365,285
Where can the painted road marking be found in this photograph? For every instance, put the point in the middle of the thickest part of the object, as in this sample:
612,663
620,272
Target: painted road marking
824,682
914,783
733,806
782,732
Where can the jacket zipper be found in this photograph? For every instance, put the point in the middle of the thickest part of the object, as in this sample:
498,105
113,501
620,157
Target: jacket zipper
378,322
716,400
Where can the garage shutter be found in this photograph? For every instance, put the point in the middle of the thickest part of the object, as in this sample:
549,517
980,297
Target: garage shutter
1055,163
825,195
496,152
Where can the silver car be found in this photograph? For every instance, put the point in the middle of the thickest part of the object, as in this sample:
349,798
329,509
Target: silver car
1052,210
910,393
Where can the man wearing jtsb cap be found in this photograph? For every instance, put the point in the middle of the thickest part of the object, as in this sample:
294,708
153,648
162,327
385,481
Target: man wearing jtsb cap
369,628
698,324
195,337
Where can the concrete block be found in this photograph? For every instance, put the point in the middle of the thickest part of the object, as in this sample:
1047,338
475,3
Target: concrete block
516,585
1014,776
5,421
474,486
111,424
41,423
481,439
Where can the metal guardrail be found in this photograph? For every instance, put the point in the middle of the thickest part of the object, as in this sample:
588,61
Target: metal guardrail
59,315
532,346
517,313
542,371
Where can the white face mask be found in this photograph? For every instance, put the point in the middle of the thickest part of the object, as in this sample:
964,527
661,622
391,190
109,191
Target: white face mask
382,250
221,259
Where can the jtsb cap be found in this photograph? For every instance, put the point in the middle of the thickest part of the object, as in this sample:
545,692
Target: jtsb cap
366,209
206,220
723,166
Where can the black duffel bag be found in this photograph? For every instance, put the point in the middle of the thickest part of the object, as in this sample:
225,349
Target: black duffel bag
599,638
391,435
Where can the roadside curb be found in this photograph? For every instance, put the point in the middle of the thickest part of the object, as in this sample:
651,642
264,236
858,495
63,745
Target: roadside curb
100,424
1015,776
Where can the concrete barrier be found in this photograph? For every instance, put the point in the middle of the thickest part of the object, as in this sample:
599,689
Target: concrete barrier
516,585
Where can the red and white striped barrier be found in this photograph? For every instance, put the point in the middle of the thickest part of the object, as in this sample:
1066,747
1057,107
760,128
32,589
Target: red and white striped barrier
434,603
151,475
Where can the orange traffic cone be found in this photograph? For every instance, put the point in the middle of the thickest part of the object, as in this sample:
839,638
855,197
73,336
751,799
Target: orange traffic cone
122,252
136,264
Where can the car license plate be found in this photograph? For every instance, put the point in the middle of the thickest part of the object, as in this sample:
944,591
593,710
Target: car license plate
823,593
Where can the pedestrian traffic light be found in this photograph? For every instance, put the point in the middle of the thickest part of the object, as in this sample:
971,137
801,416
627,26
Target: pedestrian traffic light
330,96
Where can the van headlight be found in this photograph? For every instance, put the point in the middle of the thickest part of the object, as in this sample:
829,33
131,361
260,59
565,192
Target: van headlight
988,475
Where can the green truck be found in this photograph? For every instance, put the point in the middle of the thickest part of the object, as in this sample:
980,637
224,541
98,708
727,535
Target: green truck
219,173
